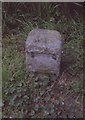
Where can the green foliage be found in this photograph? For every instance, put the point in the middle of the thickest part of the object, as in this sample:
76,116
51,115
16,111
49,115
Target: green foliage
19,13
76,85
18,20
13,66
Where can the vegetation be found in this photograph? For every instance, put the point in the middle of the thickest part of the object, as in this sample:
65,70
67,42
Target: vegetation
18,87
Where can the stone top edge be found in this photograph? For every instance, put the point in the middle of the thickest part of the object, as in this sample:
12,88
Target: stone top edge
46,30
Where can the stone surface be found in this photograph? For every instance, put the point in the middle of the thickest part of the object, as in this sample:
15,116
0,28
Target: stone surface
43,51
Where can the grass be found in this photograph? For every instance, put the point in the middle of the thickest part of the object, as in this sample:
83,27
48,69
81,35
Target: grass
15,81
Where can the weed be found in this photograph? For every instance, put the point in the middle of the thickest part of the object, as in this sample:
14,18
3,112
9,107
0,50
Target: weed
16,89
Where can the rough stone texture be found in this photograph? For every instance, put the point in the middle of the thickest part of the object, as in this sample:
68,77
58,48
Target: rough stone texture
43,51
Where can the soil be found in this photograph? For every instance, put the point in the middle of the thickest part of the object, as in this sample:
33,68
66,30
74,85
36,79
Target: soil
57,100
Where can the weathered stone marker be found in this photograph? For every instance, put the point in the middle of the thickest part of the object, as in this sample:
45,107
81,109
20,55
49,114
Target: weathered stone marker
43,51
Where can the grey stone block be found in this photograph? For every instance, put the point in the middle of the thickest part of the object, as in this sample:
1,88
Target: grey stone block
43,51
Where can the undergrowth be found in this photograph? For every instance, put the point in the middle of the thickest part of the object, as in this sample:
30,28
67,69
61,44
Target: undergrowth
15,81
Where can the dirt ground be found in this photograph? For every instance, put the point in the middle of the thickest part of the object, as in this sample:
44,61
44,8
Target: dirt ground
56,100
